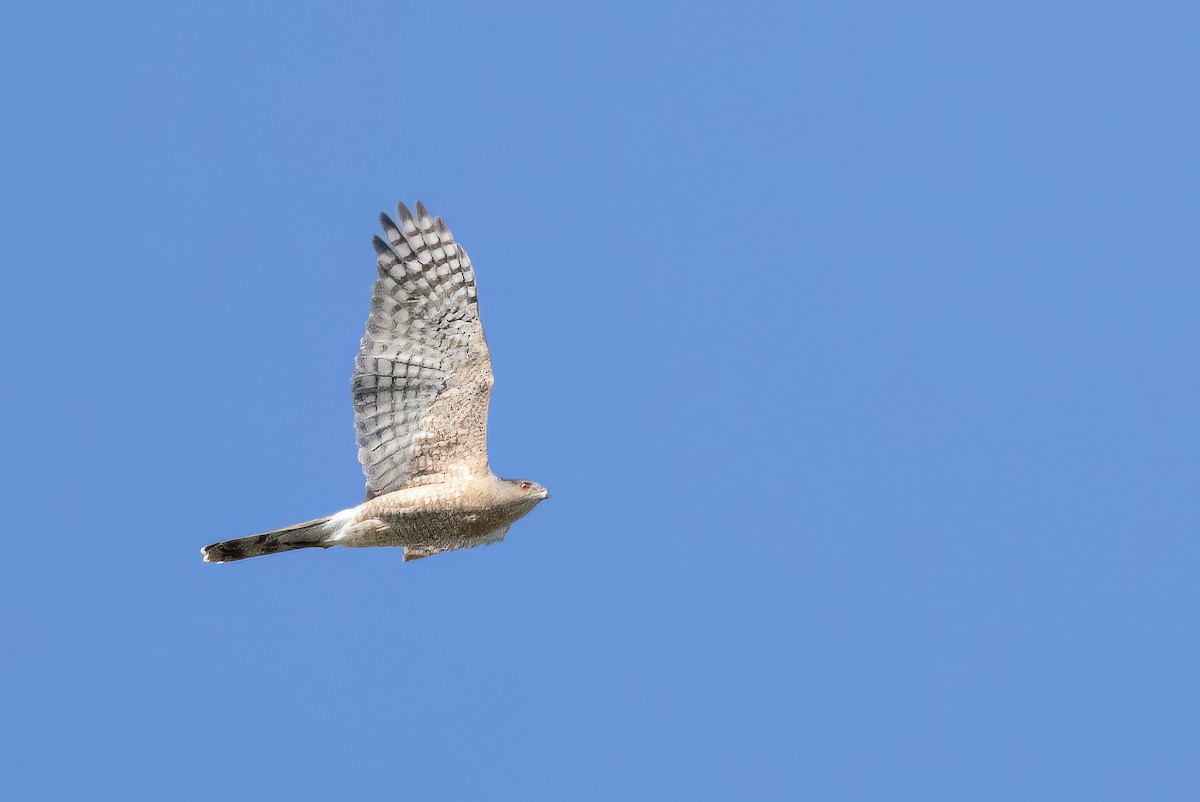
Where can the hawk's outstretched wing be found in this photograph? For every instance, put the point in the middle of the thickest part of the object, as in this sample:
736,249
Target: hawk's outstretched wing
423,377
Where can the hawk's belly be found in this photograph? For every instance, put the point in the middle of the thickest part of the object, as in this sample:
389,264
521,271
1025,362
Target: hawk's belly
431,519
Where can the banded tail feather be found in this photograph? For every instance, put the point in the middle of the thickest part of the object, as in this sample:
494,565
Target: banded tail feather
308,535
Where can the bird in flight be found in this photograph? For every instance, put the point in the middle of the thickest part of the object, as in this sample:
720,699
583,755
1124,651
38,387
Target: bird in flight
421,383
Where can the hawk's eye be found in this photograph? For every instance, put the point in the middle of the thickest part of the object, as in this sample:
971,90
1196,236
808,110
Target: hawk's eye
526,485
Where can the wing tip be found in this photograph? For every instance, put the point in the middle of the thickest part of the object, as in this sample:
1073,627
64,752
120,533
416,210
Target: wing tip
382,249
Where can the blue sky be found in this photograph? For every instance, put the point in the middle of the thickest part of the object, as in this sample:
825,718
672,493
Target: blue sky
856,343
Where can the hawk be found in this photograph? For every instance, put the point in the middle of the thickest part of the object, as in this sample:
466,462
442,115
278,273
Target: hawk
421,383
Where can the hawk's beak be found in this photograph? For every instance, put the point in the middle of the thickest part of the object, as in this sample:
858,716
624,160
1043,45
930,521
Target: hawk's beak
545,494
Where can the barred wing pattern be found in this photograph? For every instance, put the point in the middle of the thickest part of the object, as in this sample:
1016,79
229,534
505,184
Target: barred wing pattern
423,377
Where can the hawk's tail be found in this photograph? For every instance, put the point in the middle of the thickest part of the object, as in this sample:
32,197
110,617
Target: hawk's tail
310,534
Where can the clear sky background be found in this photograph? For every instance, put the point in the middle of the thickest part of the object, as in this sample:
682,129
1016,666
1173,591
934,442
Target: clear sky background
857,344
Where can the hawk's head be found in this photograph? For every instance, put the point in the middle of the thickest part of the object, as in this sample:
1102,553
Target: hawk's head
526,491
